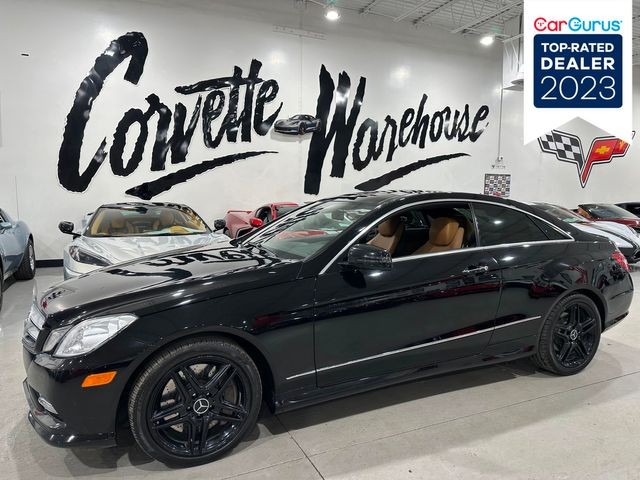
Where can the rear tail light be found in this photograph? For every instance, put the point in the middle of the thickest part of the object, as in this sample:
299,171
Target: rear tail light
621,260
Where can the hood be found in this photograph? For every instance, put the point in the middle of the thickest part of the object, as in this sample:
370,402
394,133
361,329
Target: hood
122,249
618,239
619,229
164,281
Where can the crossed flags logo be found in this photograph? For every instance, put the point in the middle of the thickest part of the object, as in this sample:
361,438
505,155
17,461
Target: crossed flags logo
568,148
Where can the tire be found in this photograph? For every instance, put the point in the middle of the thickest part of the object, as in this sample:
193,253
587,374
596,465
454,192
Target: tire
27,268
570,336
302,129
1,286
195,384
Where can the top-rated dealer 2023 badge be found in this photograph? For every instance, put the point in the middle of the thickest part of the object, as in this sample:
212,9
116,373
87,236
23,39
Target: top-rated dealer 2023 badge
578,57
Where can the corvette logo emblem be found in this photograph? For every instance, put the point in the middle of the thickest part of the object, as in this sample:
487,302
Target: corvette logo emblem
568,148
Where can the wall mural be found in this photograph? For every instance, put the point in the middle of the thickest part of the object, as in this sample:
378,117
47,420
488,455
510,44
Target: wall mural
416,126
567,147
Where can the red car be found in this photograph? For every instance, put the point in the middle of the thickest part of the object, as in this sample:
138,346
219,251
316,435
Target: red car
599,212
240,222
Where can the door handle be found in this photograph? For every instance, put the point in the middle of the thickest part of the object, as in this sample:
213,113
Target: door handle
480,269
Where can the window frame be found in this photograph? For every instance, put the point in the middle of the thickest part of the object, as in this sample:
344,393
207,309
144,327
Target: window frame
478,247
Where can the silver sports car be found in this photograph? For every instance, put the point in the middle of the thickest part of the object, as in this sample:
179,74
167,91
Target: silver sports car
17,255
120,232
298,125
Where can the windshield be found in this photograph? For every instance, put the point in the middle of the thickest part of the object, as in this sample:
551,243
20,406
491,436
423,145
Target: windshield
307,230
608,211
145,221
561,213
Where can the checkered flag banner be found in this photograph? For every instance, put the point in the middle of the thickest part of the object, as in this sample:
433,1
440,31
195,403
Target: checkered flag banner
566,147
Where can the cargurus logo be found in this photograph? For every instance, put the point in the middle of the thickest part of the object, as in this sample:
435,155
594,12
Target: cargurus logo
577,24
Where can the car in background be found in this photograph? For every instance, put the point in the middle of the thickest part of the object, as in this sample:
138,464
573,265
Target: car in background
120,232
298,125
17,253
608,212
185,346
237,223
625,238
633,207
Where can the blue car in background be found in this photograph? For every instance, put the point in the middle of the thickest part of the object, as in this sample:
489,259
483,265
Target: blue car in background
17,255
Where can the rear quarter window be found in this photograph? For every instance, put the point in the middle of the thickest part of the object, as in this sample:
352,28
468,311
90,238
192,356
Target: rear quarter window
498,225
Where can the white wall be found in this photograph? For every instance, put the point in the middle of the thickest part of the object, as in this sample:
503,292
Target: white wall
195,40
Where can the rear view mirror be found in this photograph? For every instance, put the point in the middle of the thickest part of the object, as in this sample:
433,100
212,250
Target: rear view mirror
369,257
66,227
219,224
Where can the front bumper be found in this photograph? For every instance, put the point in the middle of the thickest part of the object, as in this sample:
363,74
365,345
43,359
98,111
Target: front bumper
83,416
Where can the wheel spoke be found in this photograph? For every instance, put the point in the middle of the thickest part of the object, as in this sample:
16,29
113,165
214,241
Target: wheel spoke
180,386
580,347
192,382
226,418
221,379
565,351
563,333
237,409
161,425
588,323
574,316
177,408
204,432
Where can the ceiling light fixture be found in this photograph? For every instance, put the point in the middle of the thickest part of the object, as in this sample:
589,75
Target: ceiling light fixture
487,40
332,14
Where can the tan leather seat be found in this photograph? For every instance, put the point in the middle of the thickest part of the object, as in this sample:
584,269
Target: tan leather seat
445,234
389,234
119,225
166,220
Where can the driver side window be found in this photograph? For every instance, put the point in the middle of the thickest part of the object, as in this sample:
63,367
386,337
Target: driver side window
431,228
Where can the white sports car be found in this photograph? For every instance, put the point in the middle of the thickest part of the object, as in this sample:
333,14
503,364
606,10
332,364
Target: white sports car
625,238
119,232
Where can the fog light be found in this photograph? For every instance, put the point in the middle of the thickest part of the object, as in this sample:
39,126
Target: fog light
98,379
47,405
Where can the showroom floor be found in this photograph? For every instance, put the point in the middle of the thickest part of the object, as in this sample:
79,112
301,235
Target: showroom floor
497,422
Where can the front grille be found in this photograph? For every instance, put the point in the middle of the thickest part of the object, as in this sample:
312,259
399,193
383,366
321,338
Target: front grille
32,327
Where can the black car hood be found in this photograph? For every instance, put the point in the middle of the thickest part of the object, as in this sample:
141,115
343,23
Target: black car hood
165,280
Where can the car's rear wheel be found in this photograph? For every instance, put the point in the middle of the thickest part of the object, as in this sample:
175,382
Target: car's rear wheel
570,336
195,401
27,268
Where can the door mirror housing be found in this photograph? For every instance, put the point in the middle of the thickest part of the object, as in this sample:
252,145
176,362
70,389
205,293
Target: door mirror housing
66,227
5,226
219,224
255,222
369,257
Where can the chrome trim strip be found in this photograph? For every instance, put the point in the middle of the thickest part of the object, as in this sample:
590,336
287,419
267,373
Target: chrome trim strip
569,238
472,249
414,347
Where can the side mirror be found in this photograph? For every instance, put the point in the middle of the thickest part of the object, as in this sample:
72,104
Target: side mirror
369,257
255,222
5,226
219,224
66,227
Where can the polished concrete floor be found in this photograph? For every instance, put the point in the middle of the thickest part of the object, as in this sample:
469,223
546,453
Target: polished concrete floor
508,421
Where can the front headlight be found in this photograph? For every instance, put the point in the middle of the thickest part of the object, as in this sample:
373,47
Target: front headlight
86,336
82,256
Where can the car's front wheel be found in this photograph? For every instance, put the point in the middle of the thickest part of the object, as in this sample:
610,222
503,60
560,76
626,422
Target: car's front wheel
570,336
195,401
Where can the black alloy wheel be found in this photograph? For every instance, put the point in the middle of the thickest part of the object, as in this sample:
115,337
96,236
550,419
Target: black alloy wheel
302,129
570,336
195,401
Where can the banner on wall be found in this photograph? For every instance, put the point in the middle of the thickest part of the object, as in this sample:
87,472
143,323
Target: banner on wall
578,56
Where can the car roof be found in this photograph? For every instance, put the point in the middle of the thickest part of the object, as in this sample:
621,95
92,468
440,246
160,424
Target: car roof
400,196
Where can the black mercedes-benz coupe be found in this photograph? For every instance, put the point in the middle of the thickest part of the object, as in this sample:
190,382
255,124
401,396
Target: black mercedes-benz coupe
340,296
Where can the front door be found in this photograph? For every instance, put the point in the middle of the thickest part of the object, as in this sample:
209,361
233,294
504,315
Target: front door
437,303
